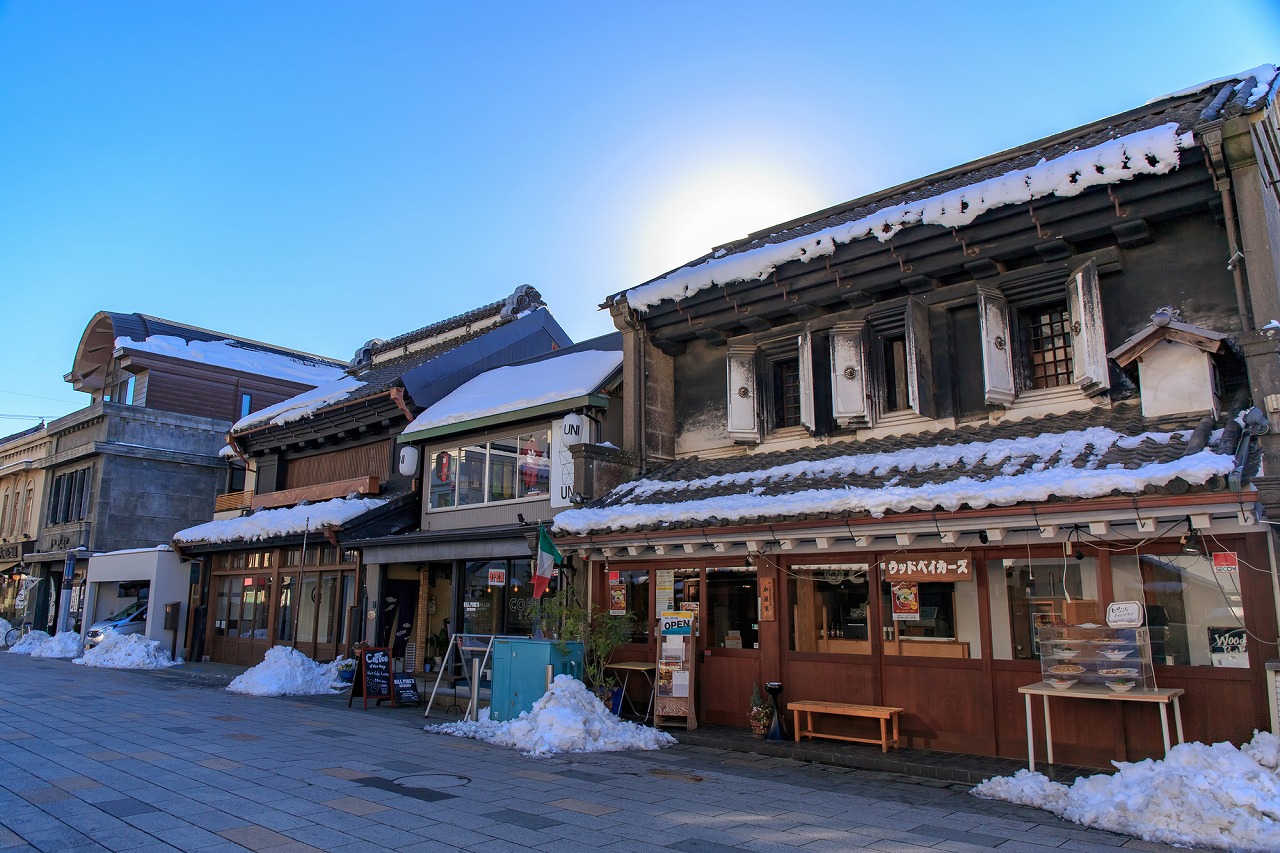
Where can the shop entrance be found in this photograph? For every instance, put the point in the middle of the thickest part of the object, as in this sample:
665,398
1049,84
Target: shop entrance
727,639
241,618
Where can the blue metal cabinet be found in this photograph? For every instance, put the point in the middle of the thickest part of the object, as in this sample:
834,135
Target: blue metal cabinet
520,672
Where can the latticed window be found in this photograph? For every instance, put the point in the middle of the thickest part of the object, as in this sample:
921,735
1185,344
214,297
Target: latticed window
1047,333
786,392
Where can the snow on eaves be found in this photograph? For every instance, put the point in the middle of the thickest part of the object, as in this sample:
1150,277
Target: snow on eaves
231,355
285,521
1149,152
1054,473
519,387
301,406
1263,75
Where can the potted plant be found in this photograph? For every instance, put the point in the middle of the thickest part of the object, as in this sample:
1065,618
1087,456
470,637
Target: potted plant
601,633
346,669
760,714
437,645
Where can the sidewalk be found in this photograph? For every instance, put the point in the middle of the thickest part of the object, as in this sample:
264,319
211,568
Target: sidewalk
950,767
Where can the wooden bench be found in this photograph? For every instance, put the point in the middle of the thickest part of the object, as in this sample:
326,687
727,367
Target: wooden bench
841,709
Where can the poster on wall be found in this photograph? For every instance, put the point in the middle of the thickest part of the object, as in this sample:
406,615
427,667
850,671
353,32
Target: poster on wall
665,591
617,595
905,597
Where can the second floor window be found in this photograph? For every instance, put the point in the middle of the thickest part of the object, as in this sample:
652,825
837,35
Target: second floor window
69,500
784,378
1046,338
246,405
502,469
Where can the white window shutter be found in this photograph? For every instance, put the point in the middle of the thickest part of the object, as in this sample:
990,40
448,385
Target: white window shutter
804,347
849,397
919,358
744,417
1088,344
997,349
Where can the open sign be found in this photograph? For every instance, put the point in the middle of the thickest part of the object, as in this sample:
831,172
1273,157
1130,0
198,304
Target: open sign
676,623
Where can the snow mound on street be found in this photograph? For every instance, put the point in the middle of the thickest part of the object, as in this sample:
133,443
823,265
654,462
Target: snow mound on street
38,644
568,718
29,643
1205,796
126,651
287,672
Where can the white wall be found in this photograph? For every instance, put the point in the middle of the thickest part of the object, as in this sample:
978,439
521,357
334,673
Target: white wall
168,576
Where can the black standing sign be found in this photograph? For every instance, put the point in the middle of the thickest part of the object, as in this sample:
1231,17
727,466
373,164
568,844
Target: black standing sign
373,677
406,689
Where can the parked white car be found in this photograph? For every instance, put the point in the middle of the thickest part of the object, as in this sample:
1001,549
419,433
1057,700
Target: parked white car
130,620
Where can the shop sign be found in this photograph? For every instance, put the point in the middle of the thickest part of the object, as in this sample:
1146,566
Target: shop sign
664,589
1226,562
497,577
767,611
1125,614
14,551
1228,641
676,623
836,573
566,433
906,601
947,567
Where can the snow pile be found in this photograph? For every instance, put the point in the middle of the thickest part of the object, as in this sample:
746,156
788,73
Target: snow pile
5,628
568,718
64,645
303,405
1263,75
510,389
126,651
1031,469
232,354
1148,152
283,521
1206,796
29,643
288,672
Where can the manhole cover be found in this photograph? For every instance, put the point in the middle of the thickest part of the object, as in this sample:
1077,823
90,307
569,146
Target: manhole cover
676,775
434,781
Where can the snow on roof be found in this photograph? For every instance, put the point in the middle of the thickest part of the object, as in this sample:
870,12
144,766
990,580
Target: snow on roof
1147,152
523,386
285,521
232,355
1263,76
301,406
1065,465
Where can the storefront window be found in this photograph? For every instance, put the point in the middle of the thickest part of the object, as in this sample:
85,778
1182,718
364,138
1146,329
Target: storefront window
504,469
629,593
308,594
931,619
444,478
1037,592
349,604
830,609
471,470
222,625
535,465
284,628
732,609
1196,615
255,608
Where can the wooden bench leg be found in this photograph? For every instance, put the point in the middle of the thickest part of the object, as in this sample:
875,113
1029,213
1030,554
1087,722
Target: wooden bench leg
895,732
884,735
797,725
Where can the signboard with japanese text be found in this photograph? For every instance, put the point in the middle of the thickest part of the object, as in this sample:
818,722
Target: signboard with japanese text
768,613
946,567
664,590
1125,614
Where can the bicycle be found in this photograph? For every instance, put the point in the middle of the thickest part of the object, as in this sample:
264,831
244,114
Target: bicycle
11,637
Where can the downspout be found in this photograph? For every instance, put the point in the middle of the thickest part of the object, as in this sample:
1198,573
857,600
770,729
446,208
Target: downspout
1210,134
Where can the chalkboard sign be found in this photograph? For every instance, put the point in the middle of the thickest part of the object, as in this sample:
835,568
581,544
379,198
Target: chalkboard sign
406,689
1228,641
373,677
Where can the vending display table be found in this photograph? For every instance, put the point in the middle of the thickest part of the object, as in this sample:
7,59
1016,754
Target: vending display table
1161,697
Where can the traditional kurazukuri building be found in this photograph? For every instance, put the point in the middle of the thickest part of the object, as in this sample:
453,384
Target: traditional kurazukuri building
884,444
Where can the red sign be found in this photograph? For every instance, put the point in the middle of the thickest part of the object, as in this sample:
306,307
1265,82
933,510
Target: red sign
906,601
1226,561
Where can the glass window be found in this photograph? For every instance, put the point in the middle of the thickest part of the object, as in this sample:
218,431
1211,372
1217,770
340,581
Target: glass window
471,470
246,405
309,594
482,599
222,608
784,376
943,621
444,478
897,394
830,609
535,464
349,605
284,629
520,603
1046,335
633,589
1037,592
732,609
502,470
1196,616
327,609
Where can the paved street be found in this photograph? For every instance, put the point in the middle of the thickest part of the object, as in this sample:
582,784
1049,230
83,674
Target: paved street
135,761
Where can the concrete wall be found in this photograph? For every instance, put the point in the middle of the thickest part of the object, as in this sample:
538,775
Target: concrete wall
168,577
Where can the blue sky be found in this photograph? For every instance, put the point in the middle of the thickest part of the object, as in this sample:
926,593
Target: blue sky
318,174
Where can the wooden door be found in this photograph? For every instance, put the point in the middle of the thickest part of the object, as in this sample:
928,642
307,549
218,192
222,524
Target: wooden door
728,641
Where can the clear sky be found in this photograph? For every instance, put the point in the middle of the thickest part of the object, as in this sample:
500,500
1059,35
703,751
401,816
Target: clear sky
315,174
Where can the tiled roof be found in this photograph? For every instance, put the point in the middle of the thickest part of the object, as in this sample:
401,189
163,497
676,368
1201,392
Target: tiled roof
1185,110
1078,455
19,435
139,327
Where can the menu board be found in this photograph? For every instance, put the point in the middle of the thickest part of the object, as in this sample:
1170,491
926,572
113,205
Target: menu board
673,695
373,677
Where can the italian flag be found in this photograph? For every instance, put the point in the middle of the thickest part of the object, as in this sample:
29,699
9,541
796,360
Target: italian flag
548,556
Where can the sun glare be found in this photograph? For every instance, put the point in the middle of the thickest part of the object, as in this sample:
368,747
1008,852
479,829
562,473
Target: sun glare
695,212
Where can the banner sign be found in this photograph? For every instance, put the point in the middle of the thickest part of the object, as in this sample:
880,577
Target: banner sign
1225,562
906,601
676,623
947,567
